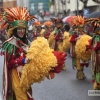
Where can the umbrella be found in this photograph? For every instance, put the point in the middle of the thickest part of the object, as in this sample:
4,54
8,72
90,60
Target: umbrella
69,19
93,15
64,19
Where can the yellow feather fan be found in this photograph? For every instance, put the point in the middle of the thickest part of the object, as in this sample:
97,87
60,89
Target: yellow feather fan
42,32
80,48
51,40
66,41
64,46
42,61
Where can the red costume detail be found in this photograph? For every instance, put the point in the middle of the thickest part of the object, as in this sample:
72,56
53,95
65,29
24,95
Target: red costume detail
2,53
31,99
58,36
36,34
15,60
97,46
93,81
12,63
73,38
47,34
90,45
84,64
60,61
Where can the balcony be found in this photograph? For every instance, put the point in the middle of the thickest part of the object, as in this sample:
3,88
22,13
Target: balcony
97,1
92,3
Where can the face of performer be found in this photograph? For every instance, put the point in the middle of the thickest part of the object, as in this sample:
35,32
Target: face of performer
20,31
37,27
50,28
59,25
80,29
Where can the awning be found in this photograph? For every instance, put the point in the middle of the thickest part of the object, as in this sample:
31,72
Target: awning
92,3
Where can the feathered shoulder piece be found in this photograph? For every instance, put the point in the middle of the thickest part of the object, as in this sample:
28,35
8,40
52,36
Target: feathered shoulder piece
10,44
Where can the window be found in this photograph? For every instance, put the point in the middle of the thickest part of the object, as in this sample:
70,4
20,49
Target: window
40,5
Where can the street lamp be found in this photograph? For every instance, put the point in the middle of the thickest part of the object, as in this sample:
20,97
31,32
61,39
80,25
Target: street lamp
77,7
64,10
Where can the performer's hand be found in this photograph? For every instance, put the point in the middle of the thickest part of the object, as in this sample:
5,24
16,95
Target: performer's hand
78,37
19,68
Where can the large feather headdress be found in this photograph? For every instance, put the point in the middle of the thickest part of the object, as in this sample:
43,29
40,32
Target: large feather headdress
16,17
48,23
94,24
78,21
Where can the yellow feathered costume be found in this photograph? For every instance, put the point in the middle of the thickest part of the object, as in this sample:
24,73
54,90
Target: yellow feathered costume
64,46
80,48
82,54
42,32
41,60
51,40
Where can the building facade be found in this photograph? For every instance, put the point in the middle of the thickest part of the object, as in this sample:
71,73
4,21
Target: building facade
9,3
74,7
35,5
24,3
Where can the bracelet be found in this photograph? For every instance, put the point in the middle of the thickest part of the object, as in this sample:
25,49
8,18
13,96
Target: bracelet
16,63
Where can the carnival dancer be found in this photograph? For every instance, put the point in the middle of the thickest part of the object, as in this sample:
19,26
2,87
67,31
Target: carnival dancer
48,29
14,49
80,53
36,29
57,33
57,39
95,56
20,69
64,46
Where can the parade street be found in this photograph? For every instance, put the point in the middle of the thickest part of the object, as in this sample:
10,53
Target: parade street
64,86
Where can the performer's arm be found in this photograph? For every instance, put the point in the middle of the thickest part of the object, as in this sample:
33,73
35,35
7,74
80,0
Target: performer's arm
14,61
73,38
